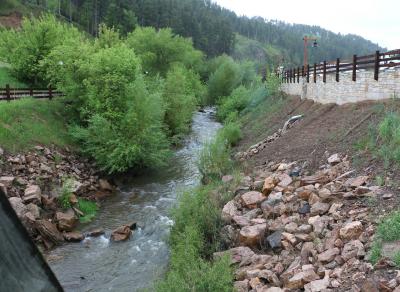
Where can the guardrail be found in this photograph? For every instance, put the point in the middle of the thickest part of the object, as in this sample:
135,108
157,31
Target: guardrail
8,93
374,61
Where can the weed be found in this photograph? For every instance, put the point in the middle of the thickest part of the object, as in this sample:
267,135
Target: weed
375,252
396,259
389,228
88,208
372,201
379,180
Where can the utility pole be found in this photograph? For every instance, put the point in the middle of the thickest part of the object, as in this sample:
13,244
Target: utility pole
315,44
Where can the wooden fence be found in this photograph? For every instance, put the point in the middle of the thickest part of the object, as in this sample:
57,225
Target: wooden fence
374,61
8,93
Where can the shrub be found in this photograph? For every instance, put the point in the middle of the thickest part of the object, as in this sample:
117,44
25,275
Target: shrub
224,80
160,49
65,194
231,133
180,100
389,138
233,104
27,47
215,160
193,239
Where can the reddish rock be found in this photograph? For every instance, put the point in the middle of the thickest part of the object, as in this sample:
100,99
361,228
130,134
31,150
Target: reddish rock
121,233
252,199
319,208
269,184
49,232
351,230
252,235
73,236
328,255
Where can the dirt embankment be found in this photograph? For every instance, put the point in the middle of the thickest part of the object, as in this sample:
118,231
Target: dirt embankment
12,21
323,128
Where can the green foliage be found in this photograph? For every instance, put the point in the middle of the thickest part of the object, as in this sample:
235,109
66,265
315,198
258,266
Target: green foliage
193,239
384,140
224,79
375,252
215,160
233,104
389,228
88,208
273,84
180,99
7,78
160,50
28,122
65,194
231,133
26,48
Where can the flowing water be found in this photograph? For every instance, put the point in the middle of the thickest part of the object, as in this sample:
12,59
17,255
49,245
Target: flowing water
96,264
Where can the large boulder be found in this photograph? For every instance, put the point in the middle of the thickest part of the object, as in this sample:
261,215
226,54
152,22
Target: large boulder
121,233
252,235
252,199
32,194
66,221
74,236
49,232
19,207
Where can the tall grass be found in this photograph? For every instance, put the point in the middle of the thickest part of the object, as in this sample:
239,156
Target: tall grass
7,78
28,122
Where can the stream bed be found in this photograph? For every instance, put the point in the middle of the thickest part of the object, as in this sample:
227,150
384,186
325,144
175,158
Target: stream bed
96,264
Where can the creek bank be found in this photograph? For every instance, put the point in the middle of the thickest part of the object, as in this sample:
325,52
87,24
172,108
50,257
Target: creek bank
34,183
289,230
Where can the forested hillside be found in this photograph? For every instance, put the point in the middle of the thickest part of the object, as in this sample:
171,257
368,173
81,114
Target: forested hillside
211,27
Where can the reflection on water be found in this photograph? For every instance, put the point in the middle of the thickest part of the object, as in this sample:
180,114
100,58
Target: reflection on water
96,264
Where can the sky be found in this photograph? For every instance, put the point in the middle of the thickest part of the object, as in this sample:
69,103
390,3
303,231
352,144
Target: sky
376,20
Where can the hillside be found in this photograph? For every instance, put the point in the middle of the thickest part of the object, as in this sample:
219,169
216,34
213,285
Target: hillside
214,30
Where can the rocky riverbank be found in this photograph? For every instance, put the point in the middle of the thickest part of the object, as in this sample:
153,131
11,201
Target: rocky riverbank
289,230
46,186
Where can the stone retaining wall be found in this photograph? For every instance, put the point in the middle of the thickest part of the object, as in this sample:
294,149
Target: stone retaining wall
345,91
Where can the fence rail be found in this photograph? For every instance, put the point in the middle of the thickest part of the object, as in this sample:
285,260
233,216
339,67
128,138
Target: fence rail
8,93
375,61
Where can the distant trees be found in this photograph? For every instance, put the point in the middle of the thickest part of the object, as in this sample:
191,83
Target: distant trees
211,27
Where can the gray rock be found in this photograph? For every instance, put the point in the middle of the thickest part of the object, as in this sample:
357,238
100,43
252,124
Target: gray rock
305,209
274,240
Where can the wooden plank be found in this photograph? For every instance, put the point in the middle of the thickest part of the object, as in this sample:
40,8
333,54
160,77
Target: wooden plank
315,73
337,69
354,75
308,73
376,69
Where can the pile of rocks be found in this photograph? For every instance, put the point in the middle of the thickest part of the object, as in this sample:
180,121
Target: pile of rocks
289,231
33,183
254,149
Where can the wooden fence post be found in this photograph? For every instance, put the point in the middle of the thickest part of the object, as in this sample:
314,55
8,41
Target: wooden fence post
308,73
8,93
50,93
298,74
324,73
315,72
337,69
377,61
30,91
302,71
354,67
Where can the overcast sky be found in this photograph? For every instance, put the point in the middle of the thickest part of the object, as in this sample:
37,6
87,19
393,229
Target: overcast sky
376,20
